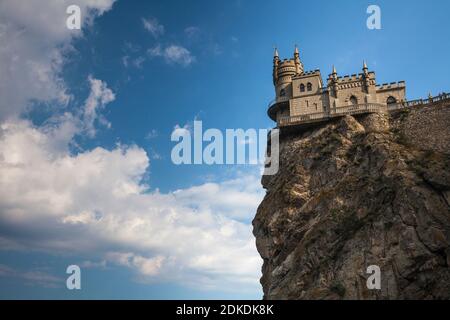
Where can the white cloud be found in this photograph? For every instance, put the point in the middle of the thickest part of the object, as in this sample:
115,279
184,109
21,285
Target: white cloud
93,264
233,198
173,54
131,57
156,51
146,266
178,54
94,202
32,277
100,96
192,32
153,26
34,39
138,62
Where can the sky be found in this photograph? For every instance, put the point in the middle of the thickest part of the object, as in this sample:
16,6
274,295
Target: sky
86,118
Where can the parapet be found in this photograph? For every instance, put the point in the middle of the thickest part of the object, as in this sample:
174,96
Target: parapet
353,77
392,85
307,73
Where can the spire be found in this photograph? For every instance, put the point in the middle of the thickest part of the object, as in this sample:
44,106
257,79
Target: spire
364,65
276,61
298,63
334,70
333,75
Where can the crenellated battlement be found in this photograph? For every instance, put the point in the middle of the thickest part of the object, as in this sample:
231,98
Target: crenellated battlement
392,85
316,71
354,77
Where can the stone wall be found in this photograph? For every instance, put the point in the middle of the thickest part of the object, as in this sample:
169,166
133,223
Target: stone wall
425,127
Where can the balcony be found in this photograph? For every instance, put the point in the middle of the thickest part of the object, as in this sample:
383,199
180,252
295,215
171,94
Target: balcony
347,110
335,112
274,105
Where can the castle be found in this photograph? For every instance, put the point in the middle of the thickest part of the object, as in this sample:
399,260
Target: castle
302,98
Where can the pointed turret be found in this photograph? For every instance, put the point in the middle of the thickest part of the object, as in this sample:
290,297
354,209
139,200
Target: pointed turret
365,69
366,77
298,63
333,82
276,60
334,73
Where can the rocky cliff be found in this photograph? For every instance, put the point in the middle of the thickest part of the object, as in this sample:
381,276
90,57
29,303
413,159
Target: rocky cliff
360,191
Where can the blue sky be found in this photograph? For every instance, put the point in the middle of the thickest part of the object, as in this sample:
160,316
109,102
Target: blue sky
86,119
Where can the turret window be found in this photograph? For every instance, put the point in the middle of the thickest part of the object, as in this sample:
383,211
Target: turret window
282,93
353,100
302,88
309,86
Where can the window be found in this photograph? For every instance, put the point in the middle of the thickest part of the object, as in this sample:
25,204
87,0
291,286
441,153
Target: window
282,93
309,86
353,101
391,100
302,88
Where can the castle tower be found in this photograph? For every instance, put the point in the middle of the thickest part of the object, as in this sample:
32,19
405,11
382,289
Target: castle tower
284,71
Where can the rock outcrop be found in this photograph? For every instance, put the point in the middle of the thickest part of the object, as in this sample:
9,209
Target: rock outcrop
354,192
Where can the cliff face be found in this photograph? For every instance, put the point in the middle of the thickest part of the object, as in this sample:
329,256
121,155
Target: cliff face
372,190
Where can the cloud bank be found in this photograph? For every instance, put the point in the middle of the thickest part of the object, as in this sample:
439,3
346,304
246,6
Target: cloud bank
34,40
93,203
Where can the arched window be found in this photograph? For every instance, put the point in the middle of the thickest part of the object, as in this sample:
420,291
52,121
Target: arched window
309,86
282,93
302,88
353,101
391,100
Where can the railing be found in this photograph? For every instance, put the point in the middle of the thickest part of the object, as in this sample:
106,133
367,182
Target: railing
441,97
358,108
418,102
352,109
334,112
304,118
